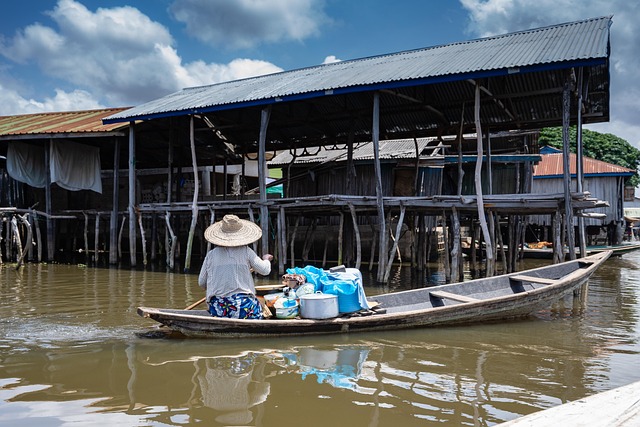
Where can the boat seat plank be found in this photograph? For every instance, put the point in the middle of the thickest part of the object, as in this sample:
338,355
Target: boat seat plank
533,279
454,297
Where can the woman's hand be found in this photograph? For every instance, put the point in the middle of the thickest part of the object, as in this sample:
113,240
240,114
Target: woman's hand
267,257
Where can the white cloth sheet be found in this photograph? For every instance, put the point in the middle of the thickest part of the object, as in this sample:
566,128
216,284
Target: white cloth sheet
73,166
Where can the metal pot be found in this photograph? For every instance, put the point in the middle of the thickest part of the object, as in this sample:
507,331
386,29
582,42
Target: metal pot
318,306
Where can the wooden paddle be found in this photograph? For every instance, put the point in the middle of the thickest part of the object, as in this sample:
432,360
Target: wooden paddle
195,304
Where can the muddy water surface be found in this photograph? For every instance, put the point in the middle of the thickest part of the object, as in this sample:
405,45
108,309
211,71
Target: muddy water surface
74,352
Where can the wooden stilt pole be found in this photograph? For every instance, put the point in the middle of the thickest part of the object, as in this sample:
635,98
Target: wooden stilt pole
478,186
293,241
113,220
455,247
356,230
132,194
395,243
96,240
194,202
445,254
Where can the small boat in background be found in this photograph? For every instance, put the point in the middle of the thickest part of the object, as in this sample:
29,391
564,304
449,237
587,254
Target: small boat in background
616,250
494,298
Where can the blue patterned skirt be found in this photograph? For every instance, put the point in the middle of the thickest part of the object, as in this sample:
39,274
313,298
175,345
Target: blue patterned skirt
236,306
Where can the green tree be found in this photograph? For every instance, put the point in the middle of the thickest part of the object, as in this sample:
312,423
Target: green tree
601,146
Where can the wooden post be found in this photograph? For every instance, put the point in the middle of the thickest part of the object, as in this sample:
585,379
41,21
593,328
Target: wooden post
51,244
558,249
340,236
445,237
86,238
455,247
382,251
194,203
478,182
293,241
132,194
356,230
113,223
96,240
262,178
143,238
282,245
579,165
212,221
171,248
28,241
124,220
568,203
395,243
36,225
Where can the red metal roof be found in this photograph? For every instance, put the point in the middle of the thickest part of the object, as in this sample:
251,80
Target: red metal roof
88,121
551,165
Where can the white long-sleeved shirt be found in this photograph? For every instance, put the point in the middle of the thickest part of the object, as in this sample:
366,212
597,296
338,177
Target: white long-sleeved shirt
226,271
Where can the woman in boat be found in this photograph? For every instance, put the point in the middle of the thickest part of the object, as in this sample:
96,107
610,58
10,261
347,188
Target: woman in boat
226,271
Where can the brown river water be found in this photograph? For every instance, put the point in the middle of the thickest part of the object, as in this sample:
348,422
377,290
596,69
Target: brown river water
73,351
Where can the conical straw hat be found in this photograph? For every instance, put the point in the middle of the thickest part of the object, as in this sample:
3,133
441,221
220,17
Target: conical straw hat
232,231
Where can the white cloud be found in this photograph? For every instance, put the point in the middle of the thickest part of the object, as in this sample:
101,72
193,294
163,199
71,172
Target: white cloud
331,59
13,102
248,23
118,56
490,17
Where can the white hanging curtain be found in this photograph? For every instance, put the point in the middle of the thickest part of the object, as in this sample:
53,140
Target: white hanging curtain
75,166
25,163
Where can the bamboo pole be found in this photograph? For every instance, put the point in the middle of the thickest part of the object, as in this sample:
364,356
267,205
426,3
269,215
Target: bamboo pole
212,220
196,190
478,185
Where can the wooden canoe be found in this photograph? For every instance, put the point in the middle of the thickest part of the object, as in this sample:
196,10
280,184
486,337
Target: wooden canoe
489,299
616,250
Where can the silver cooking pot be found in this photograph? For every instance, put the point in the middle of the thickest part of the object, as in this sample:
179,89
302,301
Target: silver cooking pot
318,306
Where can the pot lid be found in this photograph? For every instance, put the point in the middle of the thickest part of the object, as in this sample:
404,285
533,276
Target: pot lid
318,295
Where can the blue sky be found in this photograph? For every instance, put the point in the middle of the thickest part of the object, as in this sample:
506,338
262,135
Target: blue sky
81,54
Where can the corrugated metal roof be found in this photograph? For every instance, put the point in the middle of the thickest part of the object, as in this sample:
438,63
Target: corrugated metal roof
89,121
551,166
388,149
554,46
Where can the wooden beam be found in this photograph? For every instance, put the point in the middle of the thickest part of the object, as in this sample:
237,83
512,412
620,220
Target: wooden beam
113,224
453,297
